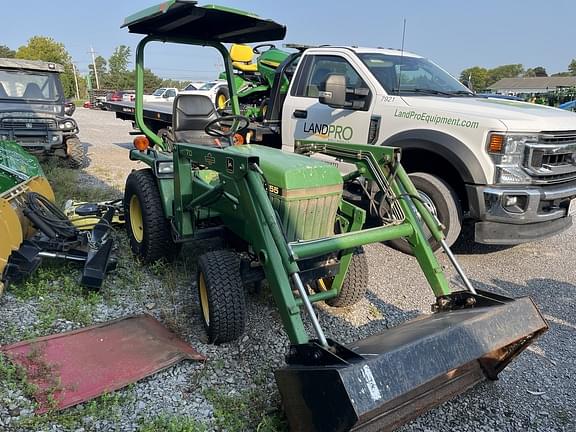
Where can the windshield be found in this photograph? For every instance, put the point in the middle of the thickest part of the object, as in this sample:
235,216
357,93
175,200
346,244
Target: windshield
415,75
207,86
29,85
159,92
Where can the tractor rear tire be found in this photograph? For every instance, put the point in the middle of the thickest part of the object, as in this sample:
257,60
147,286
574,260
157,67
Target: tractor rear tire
148,229
221,294
355,283
444,201
75,153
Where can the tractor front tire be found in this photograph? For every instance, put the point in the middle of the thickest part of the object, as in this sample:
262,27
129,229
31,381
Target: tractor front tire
221,294
441,200
148,229
75,153
355,283
222,97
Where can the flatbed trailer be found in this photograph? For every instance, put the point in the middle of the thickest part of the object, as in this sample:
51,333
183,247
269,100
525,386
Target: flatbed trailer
157,115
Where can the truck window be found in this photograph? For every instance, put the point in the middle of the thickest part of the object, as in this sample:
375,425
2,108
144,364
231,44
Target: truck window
318,67
28,85
413,74
170,93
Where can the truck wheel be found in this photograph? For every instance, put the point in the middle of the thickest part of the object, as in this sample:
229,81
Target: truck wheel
148,229
355,283
221,295
443,202
221,98
75,153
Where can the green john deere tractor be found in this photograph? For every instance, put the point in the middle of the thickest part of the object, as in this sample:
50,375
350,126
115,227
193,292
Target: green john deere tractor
253,81
284,219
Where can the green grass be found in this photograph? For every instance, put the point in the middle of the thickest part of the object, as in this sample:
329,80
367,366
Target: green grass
250,410
106,407
173,424
59,295
13,377
66,185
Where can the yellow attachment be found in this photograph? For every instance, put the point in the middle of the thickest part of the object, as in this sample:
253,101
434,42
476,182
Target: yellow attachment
84,223
136,220
10,233
14,226
242,56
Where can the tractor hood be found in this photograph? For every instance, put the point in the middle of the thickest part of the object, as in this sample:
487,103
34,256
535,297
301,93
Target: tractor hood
292,171
515,116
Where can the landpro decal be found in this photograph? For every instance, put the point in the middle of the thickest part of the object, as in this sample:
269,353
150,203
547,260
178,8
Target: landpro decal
436,119
327,131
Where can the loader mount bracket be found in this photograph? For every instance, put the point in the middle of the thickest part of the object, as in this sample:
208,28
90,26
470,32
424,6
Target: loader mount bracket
314,354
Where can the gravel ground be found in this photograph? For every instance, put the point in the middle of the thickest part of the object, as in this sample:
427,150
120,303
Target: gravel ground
536,393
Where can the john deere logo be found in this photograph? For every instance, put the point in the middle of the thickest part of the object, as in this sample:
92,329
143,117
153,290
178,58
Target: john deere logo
229,165
210,160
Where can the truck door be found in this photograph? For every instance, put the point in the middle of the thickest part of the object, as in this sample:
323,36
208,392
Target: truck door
169,95
305,118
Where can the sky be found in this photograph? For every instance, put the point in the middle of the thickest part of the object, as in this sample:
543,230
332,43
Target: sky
455,34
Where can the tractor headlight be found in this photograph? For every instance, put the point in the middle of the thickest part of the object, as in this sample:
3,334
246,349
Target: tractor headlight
166,167
507,152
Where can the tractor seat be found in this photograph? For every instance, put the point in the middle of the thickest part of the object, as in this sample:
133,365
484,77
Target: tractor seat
191,114
242,56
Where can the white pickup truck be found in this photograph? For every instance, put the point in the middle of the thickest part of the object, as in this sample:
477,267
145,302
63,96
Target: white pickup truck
164,94
507,167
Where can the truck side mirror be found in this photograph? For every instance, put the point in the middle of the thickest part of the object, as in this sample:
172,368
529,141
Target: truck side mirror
334,93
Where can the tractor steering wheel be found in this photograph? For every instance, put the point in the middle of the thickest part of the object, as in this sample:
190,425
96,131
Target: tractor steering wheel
227,126
256,49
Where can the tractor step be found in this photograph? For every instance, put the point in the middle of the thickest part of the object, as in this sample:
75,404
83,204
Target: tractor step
383,381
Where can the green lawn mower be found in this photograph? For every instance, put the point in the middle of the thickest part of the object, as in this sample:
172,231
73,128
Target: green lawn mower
283,218
253,81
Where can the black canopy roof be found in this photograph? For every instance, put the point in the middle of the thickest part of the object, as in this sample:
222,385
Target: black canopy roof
184,19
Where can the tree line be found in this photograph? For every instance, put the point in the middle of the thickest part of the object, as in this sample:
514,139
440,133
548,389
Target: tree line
481,78
113,73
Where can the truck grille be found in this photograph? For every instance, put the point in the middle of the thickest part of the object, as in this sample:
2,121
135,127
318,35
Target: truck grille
23,123
553,158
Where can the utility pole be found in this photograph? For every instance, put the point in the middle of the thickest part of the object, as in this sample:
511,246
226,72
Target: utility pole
94,66
76,81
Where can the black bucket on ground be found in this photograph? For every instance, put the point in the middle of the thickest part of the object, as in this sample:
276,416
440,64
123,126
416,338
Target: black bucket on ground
383,381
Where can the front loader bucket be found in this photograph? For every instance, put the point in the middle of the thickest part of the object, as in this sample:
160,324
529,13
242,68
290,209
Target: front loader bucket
387,379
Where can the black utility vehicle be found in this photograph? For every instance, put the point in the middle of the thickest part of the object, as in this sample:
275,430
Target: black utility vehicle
32,110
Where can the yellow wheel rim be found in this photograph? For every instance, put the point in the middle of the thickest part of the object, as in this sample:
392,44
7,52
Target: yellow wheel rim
136,220
204,299
221,101
324,284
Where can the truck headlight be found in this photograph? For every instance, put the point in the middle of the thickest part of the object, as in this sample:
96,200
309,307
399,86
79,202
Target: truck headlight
67,124
507,152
